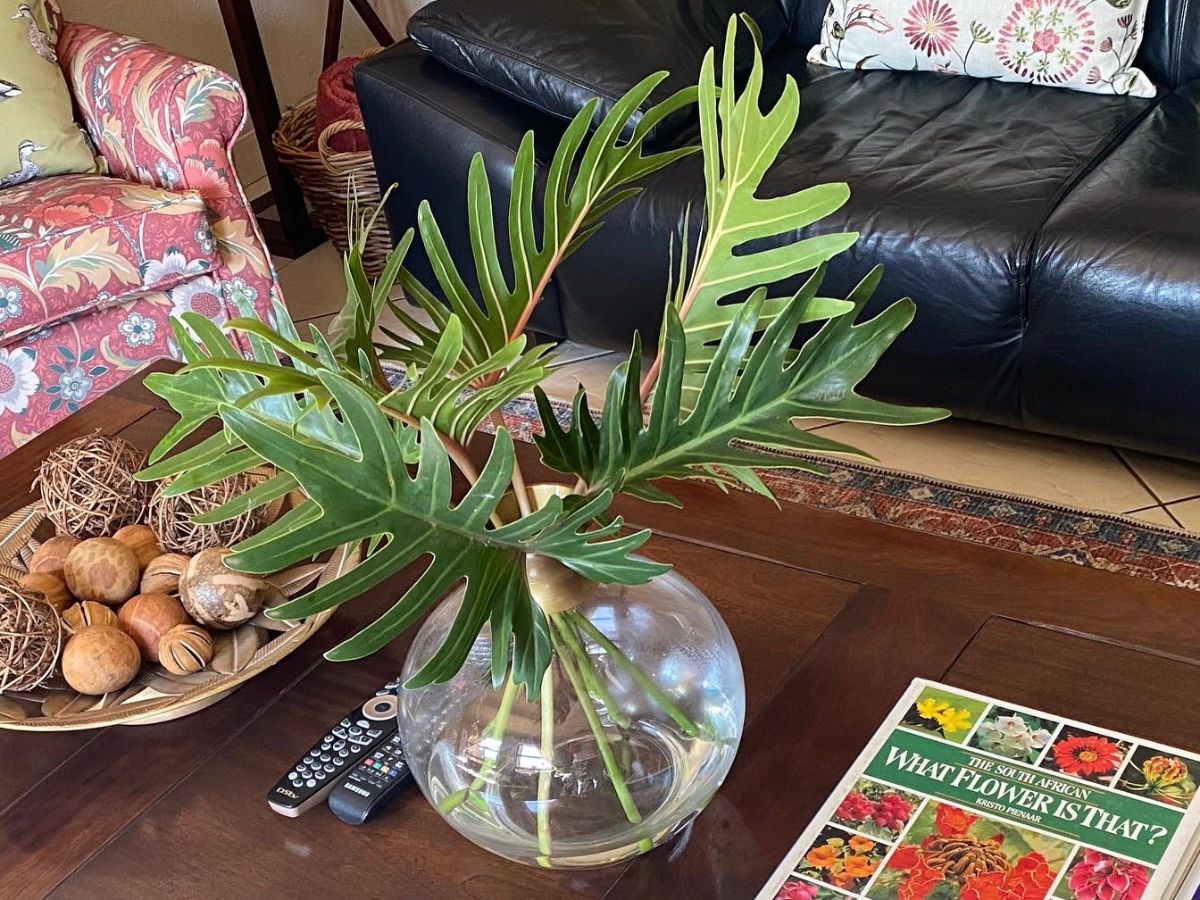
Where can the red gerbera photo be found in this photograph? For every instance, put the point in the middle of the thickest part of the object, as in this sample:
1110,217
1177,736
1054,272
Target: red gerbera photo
1084,754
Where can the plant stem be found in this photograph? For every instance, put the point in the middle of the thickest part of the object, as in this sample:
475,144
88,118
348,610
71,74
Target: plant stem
518,477
589,711
543,795
588,671
644,681
497,728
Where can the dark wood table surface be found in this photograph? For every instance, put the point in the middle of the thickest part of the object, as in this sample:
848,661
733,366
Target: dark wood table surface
833,615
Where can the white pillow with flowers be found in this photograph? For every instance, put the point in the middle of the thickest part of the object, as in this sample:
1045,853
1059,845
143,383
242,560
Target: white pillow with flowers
1085,46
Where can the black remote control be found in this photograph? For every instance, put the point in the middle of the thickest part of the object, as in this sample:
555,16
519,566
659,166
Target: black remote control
371,784
312,776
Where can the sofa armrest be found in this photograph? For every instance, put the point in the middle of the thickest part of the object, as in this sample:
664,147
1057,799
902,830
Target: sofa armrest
155,117
557,56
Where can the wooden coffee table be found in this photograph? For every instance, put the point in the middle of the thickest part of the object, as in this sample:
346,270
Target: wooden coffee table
834,615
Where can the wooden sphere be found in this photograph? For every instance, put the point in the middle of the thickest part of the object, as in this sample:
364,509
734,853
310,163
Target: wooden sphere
163,573
185,649
103,570
52,555
84,615
99,659
52,588
88,486
141,540
217,596
147,617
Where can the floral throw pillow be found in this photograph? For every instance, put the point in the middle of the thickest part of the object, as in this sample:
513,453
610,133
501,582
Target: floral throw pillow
1085,46
38,134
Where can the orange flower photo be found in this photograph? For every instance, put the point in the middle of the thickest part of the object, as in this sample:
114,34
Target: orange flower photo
846,861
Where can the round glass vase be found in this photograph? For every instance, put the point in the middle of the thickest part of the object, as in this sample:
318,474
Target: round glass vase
634,729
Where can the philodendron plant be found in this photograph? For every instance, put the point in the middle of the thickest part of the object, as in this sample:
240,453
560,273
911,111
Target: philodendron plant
370,430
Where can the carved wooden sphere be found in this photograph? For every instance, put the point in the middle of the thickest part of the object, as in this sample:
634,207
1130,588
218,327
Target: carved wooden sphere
52,555
217,596
147,617
141,540
52,589
103,570
99,659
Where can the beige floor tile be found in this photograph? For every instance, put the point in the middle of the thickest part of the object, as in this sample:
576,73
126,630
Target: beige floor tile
314,284
1170,479
1188,514
1155,515
1056,470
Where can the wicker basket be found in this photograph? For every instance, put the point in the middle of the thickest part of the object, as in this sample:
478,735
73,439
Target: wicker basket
155,695
329,178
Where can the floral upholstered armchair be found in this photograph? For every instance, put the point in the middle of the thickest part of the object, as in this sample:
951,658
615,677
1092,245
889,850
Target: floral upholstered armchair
93,266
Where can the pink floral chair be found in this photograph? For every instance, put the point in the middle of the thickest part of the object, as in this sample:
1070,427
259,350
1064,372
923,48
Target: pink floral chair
93,266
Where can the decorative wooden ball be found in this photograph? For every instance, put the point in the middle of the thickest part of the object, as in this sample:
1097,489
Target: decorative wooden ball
147,617
163,574
52,555
185,649
142,541
217,596
103,570
84,615
171,517
51,587
30,638
88,488
99,659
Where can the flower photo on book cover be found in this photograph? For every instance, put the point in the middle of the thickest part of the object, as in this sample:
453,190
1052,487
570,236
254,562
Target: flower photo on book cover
944,714
1013,733
1093,875
846,861
951,854
1089,755
877,810
1166,778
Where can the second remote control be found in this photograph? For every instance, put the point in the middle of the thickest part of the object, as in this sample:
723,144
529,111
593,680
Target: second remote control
371,784
362,729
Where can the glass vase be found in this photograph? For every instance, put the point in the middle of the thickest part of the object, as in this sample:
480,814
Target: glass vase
633,731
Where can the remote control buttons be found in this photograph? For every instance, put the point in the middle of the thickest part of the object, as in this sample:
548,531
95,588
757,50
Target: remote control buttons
381,708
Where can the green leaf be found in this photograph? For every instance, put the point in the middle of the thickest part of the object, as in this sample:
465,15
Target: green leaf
750,394
368,491
749,241
587,176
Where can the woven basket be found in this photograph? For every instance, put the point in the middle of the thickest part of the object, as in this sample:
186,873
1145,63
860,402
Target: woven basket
329,178
155,695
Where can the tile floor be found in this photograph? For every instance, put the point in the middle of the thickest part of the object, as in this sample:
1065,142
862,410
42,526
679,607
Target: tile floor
1152,489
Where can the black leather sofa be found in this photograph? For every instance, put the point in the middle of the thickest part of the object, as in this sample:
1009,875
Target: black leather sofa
1050,238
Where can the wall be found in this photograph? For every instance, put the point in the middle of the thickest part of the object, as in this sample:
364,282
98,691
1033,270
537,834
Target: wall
292,31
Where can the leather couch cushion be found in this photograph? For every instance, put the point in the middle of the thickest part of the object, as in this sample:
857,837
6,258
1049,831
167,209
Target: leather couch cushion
75,242
950,180
557,56
1116,284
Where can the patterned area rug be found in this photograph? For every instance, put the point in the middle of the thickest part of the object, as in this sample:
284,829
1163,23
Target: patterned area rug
1006,522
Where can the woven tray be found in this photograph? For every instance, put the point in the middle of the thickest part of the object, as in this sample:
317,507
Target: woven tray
157,695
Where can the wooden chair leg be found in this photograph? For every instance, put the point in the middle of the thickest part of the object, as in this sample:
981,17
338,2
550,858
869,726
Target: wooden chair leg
375,24
333,33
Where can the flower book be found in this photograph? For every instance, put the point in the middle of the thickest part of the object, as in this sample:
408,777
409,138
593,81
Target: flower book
963,797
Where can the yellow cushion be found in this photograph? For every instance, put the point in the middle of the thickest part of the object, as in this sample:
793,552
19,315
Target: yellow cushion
38,134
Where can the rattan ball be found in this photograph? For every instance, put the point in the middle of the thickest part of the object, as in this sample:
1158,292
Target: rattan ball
88,488
171,517
30,638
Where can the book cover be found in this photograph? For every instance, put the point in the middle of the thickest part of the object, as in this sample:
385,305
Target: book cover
965,797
